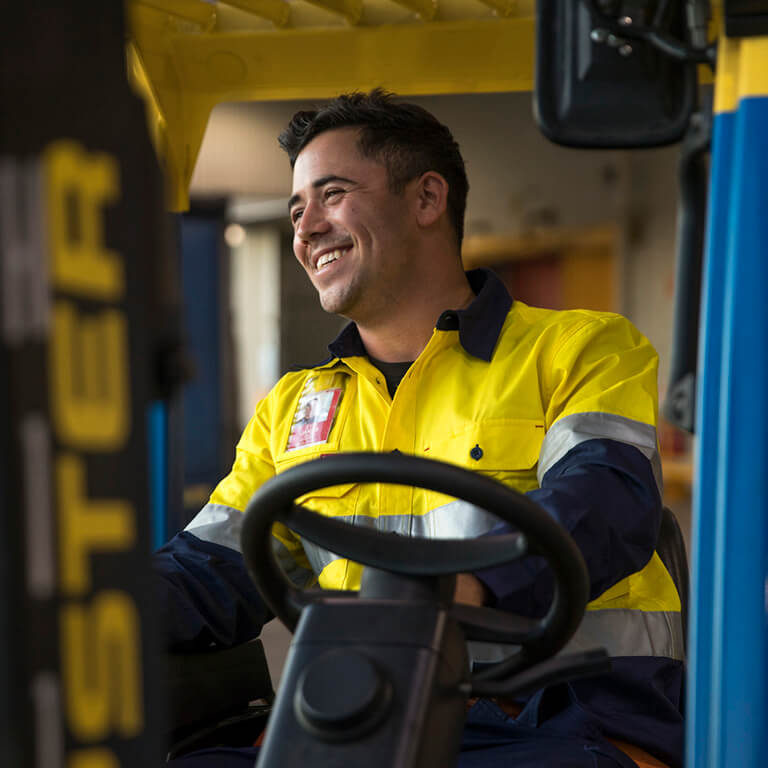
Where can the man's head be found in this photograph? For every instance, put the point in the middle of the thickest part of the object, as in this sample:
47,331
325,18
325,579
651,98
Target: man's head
371,206
405,138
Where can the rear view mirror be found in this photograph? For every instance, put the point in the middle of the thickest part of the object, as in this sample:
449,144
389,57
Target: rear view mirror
595,88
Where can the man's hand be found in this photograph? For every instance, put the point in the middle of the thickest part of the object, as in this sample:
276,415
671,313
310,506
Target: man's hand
470,590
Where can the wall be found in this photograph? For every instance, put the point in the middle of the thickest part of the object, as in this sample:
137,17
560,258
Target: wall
519,183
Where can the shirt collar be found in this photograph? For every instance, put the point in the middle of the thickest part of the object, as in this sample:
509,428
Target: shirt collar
479,325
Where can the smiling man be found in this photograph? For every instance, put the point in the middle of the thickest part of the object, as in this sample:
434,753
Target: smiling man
441,363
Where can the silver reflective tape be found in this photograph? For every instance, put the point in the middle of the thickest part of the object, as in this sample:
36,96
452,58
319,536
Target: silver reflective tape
626,632
218,524
23,257
570,431
456,520
318,557
622,632
48,738
297,574
38,518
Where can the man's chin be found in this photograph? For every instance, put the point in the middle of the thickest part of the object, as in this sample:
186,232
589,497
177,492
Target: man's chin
335,303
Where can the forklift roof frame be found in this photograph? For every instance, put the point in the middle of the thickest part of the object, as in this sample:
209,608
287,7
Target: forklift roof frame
188,55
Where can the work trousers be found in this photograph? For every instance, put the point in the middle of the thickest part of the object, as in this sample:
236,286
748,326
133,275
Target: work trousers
491,740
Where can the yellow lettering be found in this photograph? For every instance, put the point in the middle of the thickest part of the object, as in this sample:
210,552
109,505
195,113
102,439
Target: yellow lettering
96,757
86,525
101,667
89,380
80,185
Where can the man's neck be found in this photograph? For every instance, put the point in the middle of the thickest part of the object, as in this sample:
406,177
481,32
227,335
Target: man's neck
403,333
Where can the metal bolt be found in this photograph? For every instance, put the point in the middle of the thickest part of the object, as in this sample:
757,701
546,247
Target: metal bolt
625,21
614,41
625,50
598,35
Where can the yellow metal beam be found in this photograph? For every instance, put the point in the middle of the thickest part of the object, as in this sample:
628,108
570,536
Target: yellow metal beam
191,74
276,11
198,12
742,71
503,7
424,9
351,10
474,56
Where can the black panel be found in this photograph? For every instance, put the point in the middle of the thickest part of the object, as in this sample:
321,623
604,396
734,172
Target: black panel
591,93
81,326
745,18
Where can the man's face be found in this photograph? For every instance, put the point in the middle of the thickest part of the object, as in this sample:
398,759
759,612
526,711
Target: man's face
352,235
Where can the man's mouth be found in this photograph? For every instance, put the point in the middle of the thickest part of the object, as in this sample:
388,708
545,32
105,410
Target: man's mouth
329,257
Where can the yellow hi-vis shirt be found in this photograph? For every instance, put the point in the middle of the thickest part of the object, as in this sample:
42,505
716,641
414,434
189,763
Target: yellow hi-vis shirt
501,388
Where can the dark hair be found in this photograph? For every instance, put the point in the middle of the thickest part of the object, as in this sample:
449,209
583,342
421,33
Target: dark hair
405,138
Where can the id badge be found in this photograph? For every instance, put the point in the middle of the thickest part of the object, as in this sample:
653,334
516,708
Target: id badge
316,410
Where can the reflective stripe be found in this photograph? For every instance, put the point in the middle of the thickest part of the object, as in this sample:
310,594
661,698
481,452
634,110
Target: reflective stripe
627,632
456,520
218,524
570,431
318,557
221,524
622,632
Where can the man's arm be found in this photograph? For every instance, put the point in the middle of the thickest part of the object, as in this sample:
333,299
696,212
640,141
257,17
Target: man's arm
599,470
205,595
201,583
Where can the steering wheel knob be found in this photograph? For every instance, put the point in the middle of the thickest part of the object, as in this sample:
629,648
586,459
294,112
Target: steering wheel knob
341,695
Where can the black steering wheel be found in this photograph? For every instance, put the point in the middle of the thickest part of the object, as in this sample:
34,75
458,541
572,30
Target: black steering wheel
539,534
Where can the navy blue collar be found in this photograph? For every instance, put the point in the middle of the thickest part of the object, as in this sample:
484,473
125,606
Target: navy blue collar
479,325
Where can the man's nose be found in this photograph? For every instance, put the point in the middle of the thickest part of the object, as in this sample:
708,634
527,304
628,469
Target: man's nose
313,222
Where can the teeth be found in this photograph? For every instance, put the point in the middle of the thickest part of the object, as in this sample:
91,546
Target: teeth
327,258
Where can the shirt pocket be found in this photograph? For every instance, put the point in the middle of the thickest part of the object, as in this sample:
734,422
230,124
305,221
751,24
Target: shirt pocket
504,449
333,501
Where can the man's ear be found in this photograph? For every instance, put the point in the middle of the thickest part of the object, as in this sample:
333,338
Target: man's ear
431,198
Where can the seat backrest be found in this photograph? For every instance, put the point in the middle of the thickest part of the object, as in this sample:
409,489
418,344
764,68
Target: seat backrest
671,549
204,688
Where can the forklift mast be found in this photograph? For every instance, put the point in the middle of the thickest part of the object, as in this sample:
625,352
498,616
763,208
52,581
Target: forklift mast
85,323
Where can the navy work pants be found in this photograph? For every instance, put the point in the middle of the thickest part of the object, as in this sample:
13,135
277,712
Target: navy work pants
491,740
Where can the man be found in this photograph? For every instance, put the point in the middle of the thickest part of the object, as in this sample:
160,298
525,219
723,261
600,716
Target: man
443,364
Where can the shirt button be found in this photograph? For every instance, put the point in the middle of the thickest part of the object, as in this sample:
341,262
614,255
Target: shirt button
476,453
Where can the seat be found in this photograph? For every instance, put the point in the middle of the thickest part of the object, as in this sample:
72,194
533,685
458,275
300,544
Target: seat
220,697
671,549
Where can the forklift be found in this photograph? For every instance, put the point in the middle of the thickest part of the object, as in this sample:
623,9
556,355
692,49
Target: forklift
90,338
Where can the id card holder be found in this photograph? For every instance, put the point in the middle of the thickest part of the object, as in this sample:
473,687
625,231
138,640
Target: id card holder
316,410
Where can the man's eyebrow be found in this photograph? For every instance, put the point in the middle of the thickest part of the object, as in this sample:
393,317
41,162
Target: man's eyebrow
316,184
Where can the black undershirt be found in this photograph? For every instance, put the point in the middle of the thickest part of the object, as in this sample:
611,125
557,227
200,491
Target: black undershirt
393,372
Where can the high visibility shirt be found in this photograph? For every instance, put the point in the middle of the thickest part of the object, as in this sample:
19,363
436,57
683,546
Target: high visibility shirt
510,402
561,405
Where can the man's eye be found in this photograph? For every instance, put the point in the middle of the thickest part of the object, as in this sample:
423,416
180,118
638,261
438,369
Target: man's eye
295,216
332,192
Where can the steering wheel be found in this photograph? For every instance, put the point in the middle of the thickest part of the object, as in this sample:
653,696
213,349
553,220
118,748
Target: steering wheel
539,534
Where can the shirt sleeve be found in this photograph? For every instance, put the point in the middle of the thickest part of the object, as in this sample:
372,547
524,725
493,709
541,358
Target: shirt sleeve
599,469
202,586
205,595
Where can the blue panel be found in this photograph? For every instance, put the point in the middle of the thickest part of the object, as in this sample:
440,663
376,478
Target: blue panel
707,420
740,675
157,429
200,245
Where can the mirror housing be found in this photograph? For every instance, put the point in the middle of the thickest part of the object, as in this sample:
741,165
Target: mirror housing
595,89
